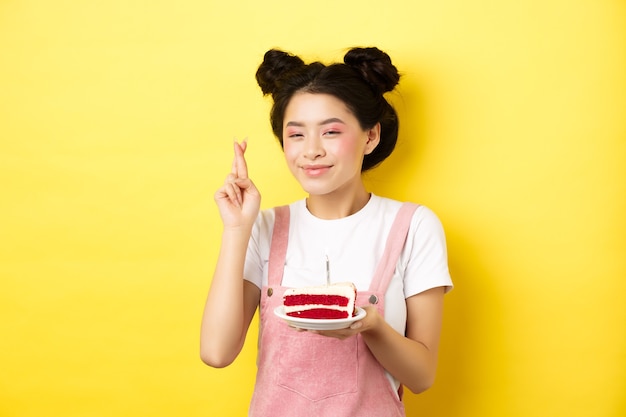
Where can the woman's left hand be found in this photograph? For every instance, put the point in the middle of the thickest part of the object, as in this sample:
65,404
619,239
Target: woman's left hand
367,323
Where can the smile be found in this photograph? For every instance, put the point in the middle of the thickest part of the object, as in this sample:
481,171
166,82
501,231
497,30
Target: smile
315,170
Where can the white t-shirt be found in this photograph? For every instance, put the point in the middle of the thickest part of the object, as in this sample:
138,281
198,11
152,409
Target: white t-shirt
354,245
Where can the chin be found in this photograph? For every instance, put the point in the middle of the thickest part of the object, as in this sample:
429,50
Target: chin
316,190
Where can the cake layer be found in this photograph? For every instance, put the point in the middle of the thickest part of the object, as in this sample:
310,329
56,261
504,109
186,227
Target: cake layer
322,299
320,313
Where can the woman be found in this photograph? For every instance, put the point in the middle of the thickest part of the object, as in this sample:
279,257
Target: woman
333,123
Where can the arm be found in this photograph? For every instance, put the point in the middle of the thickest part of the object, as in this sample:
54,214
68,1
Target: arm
412,359
232,301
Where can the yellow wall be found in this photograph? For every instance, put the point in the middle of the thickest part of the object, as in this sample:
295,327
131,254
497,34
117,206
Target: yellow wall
116,123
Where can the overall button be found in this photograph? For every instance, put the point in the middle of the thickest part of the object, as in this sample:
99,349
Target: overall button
373,299
270,291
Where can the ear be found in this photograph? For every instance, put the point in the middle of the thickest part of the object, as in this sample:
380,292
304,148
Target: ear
373,139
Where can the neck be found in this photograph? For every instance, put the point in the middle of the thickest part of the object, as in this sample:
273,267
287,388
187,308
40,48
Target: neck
337,206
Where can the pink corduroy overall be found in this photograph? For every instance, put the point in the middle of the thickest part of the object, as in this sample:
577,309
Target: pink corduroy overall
303,374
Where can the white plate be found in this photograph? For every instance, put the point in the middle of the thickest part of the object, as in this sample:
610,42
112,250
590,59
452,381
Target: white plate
319,324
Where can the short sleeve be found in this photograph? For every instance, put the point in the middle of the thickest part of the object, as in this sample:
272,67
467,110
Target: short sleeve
425,254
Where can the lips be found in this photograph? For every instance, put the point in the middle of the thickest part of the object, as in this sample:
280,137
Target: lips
315,170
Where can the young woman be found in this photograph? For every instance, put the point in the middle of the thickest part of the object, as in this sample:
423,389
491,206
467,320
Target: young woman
333,123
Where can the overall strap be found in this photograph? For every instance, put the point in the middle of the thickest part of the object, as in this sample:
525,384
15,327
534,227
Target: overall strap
278,246
393,248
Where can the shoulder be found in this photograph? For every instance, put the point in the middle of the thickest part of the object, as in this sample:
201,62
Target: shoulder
422,214
426,220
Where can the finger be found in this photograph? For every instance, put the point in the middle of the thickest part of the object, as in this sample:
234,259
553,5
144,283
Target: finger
233,169
227,193
240,161
231,194
356,325
235,191
297,329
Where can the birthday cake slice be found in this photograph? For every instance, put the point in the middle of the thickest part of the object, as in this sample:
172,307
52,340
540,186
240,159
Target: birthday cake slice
335,301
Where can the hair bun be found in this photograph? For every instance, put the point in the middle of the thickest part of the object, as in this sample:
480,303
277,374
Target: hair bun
375,67
275,65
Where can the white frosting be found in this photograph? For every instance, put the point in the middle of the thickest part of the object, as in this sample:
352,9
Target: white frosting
348,309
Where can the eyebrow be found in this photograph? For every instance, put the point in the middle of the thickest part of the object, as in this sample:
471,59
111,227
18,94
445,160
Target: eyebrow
323,122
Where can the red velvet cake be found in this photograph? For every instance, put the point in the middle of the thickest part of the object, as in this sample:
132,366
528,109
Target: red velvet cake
335,301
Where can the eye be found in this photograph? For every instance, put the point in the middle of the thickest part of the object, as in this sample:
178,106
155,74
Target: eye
291,134
331,132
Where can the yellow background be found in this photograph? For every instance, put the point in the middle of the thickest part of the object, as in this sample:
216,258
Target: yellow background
116,125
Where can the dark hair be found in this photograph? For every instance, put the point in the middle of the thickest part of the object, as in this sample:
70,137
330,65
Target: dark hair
360,82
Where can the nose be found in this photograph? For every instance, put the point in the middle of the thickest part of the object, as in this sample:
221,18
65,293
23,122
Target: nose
313,148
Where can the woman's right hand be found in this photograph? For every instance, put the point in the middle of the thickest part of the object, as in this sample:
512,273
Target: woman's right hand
238,200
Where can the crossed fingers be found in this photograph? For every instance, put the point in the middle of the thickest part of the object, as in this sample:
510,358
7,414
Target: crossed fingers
239,172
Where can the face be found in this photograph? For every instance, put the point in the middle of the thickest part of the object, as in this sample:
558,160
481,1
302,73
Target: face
324,144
